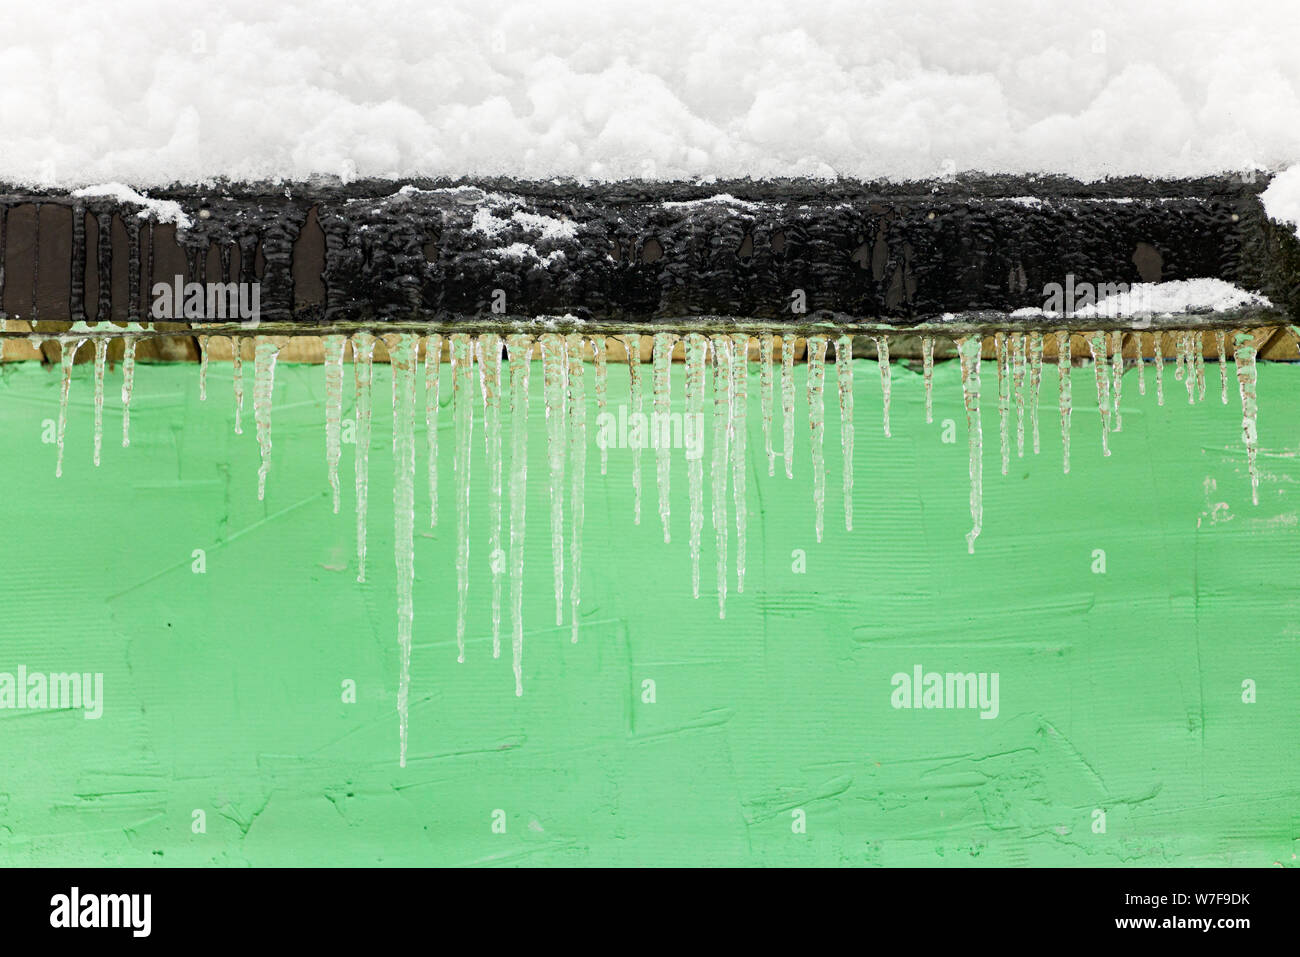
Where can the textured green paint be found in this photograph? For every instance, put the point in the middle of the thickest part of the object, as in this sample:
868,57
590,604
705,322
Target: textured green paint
1119,691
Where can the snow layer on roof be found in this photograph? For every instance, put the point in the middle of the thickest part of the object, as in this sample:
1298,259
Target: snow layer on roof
149,92
1149,299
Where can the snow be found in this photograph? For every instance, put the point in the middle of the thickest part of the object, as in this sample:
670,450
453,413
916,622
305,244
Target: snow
159,210
1161,298
1282,198
152,92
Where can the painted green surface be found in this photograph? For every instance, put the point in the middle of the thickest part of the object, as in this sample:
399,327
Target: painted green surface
1119,691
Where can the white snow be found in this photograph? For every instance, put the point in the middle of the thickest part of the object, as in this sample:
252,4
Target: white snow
1161,298
151,92
1282,198
159,210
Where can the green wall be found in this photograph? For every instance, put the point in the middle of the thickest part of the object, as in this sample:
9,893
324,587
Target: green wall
1119,691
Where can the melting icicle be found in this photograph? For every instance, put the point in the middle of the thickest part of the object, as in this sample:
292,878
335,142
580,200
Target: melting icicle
489,371
1221,348
633,344
1244,356
787,401
577,473
363,354
521,351
927,363
237,372
101,354
403,357
1141,364
739,437
1004,396
721,458
1189,365
1063,363
203,368
969,350
696,351
1097,344
1117,376
1019,360
263,390
432,370
68,352
1198,346
334,345
128,383
817,420
844,378
462,411
598,352
882,360
661,383
1158,354
1035,381
554,359
765,351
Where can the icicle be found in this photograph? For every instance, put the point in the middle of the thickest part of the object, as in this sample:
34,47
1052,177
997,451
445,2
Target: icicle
263,391
969,351
554,359
765,351
696,347
1244,356
1189,365
577,474
1004,396
787,401
1198,347
1035,381
1097,344
633,344
1141,364
598,351
432,372
101,354
1158,353
462,380
1063,382
844,379
661,383
1220,348
721,458
521,351
334,345
403,356
203,368
237,371
882,360
68,352
1019,361
489,370
817,420
128,383
739,439
927,362
363,353
1117,376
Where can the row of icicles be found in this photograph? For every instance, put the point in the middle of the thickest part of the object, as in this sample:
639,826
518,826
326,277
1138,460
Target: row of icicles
1019,364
